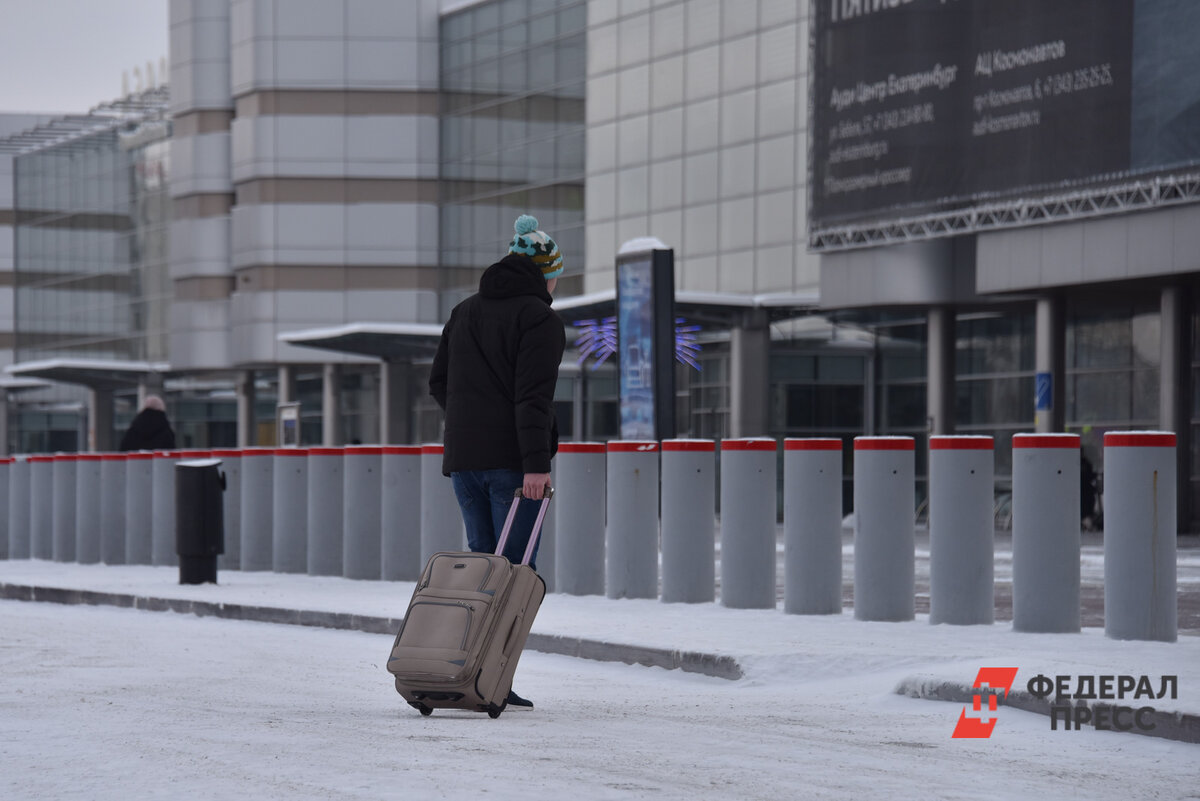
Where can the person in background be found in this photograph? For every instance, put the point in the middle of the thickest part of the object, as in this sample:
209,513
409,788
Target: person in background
494,375
150,430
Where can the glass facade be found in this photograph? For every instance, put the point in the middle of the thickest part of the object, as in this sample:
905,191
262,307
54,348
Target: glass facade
513,76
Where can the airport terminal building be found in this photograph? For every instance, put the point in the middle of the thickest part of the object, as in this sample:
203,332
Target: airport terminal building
904,217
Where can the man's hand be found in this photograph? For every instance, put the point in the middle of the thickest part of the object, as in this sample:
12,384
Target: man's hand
535,484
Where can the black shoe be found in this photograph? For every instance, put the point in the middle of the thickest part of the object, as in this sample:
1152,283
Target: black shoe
517,702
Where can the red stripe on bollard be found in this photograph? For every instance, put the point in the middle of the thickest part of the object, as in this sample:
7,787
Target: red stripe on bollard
325,451
632,446
1139,439
363,450
290,452
427,450
813,444
1045,441
231,453
581,447
966,443
884,444
749,445
401,450
691,445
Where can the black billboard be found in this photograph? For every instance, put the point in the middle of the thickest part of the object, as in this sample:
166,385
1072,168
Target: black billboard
923,106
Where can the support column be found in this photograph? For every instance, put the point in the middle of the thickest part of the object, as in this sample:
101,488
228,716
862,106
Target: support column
246,425
1174,383
1050,347
394,403
939,370
749,346
3,422
331,405
100,419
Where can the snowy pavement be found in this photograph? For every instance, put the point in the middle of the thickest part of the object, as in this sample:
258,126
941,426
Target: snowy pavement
104,703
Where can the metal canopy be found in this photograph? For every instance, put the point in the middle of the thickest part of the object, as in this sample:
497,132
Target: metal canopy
713,308
99,374
390,341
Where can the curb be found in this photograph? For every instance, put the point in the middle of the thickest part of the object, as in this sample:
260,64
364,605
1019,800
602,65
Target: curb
721,667
1179,726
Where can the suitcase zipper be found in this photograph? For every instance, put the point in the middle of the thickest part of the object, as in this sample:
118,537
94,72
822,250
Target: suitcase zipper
486,576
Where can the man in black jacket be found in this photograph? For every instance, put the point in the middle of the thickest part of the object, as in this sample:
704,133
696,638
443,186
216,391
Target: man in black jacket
150,429
494,375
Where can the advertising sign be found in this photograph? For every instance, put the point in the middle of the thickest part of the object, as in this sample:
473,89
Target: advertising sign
922,106
635,327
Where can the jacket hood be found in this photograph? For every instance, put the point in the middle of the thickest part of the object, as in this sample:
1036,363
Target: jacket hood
512,276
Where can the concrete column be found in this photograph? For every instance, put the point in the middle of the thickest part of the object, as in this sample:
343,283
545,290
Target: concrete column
940,370
748,523
1045,533
112,508
100,420
1050,355
812,526
87,509
688,520
884,536
41,509
394,402
289,515
441,521
246,426
5,463
162,509
4,423
363,542
257,524
1139,536
63,522
286,392
400,513
1174,390
961,530
231,467
331,405
749,350
324,497
18,508
631,537
579,511
139,487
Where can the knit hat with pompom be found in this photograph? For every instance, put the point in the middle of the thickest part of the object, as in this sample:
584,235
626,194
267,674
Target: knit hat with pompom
537,245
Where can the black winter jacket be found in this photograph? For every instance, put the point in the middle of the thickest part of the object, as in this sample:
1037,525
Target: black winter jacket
149,431
495,371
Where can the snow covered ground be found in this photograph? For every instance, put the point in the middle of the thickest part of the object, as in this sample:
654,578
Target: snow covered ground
105,703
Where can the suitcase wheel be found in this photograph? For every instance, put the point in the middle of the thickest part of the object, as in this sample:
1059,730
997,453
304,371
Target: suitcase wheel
494,711
424,710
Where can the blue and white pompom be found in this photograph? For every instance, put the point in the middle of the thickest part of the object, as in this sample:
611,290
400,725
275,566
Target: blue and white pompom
525,224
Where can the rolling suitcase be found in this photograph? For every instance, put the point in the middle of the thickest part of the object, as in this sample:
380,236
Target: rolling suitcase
466,626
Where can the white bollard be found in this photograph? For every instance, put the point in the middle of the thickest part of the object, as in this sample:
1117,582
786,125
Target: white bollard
442,526
1045,533
400,513
289,511
18,508
63,512
748,503
363,544
139,488
324,497
884,528
88,530
258,486
961,530
579,513
1139,536
41,507
812,526
231,468
112,508
631,536
689,508
5,461
162,509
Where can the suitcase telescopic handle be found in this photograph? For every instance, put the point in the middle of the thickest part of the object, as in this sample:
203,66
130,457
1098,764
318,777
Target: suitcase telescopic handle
537,524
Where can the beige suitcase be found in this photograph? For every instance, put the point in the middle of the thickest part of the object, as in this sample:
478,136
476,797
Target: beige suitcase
466,626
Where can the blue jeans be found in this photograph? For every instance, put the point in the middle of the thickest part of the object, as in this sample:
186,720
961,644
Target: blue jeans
485,497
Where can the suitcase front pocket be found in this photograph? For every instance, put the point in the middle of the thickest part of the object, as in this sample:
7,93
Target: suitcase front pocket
436,639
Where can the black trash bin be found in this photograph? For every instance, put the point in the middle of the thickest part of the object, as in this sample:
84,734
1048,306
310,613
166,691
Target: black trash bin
199,519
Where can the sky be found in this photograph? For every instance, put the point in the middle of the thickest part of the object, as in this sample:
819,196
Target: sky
68,55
